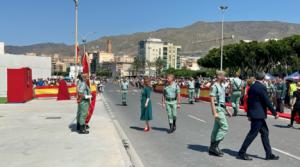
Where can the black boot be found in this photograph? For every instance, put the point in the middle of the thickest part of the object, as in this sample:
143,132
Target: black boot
213,150
77,127
174,124
171,130
86,128
83,130
220,151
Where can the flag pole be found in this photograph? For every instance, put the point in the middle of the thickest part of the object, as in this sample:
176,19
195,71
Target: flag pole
76,41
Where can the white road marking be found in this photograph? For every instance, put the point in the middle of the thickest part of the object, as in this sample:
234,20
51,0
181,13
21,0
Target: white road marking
286,153
196,118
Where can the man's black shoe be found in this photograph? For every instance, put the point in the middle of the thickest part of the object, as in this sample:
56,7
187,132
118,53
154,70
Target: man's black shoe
244,157
272,157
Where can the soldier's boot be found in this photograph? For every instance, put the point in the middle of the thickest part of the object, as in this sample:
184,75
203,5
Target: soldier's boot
213,149
174,124
77,126
235,113
171,130
86,127
83,130
220,151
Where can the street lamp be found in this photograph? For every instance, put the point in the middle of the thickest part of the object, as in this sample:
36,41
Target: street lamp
84,39
223,9
76,39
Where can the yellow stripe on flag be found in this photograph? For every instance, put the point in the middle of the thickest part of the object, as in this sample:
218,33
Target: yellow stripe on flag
46,91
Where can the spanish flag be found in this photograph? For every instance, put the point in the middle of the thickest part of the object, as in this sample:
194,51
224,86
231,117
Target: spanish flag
85,64
86,70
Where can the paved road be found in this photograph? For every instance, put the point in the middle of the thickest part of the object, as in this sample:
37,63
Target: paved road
188,147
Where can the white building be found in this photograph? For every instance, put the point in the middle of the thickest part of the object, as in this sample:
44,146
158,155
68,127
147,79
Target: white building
171,55
151,49
190,63
73,70
40,66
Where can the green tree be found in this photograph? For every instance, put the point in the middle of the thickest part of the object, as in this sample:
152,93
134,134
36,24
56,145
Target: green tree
159,65
138,65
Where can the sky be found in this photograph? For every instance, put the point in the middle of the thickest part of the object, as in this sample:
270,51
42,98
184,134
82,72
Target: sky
26,22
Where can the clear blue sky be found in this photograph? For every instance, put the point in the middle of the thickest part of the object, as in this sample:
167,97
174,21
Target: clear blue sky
25,22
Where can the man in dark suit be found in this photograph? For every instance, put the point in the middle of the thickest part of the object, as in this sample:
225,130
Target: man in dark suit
258,103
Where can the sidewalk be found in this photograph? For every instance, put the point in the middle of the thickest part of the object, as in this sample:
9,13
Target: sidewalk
38,134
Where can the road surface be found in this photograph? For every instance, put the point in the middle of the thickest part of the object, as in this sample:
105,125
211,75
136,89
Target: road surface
188,146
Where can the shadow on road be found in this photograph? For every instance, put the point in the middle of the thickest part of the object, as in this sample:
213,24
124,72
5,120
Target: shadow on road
73,127
281,126
137,128
160,129
187,103
119,105
242,115
234,153
197,147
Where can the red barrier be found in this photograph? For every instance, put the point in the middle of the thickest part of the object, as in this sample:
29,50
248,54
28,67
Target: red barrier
19,85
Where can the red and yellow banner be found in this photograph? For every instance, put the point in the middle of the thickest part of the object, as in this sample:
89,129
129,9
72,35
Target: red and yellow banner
204,96
204,93
52,91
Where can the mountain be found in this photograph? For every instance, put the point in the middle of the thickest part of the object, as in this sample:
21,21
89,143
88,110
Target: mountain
208,33
42,48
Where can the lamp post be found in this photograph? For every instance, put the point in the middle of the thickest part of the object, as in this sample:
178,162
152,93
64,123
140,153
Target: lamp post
76,40
84,40
223,9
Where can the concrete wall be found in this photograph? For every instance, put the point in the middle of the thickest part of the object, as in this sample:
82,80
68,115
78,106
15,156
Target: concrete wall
40,66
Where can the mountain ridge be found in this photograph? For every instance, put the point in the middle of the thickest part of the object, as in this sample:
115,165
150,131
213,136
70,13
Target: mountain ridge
186,36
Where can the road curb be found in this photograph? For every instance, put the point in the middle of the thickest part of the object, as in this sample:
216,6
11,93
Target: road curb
129,152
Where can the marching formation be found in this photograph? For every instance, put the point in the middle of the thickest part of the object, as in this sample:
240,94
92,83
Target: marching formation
254,94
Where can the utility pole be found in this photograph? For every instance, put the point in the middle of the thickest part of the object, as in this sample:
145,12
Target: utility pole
223,9
76,40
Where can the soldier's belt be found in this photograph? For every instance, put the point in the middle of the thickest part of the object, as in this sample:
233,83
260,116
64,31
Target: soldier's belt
171,99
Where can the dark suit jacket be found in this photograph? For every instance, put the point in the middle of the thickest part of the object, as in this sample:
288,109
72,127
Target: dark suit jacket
259,102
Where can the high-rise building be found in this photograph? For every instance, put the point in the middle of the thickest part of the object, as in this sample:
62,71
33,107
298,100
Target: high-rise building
151,49
171,55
